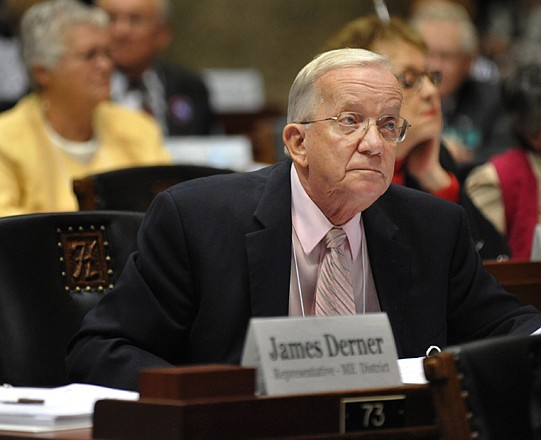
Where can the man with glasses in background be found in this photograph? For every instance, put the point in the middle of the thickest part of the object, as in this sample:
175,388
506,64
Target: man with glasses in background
176,97
217,251
476,125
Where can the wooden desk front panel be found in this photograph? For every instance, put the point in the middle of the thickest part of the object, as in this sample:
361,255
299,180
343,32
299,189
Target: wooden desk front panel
523,278
291,417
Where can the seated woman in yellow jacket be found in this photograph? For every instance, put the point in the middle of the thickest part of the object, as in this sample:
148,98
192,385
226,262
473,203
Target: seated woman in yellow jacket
67,128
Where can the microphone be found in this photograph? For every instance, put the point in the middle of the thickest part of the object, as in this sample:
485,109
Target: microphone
382,11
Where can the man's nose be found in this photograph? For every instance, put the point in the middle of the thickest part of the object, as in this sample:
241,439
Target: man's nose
371,141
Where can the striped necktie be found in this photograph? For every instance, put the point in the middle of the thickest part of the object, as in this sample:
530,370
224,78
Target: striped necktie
334,291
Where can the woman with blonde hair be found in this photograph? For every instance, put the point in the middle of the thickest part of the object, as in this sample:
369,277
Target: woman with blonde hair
422,161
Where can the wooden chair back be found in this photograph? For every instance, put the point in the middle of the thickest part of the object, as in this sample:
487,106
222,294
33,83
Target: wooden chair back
132,189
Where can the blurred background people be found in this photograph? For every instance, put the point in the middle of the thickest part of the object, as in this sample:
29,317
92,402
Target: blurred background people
510,32
176,97
418,156
476,124
15,83
67,128
422,162
507,189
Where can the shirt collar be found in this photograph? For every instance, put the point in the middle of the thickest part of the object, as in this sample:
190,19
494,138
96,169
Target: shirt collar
310,223
120,83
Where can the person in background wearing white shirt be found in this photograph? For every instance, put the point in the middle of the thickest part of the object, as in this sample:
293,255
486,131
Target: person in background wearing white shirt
175,96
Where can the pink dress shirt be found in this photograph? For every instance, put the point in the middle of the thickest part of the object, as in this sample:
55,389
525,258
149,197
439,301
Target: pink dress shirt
309,228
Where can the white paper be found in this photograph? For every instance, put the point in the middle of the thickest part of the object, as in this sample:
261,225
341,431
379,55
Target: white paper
67,407
235,90
232,152
412,371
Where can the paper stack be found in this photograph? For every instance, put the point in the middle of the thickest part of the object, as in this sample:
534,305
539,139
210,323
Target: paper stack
51,409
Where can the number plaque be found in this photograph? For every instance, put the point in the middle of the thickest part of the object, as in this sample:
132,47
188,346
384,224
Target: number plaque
371,412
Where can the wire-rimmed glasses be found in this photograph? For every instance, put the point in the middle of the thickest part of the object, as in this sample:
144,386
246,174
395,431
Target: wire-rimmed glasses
391,128
413,79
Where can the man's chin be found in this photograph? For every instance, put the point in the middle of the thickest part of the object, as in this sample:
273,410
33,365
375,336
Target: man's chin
120,60
370,188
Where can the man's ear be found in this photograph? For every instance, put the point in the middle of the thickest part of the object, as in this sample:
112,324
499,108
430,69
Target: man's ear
293,137
164,35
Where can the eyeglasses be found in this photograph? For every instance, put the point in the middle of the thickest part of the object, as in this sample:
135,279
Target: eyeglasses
134,21
414,79
391,128
91,55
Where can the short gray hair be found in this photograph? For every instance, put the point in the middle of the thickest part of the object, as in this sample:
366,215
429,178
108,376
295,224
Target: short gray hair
451,13
44,26
304,96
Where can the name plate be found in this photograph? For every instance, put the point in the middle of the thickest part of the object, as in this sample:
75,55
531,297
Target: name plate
313,354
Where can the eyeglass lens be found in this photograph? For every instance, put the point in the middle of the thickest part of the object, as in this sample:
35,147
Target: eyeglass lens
410,78
391,128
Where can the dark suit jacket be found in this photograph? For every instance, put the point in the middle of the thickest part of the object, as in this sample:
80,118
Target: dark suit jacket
477,107
188,105
488,241
215,252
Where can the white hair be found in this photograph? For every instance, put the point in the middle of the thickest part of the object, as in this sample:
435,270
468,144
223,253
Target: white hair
304,95
44,26
451,13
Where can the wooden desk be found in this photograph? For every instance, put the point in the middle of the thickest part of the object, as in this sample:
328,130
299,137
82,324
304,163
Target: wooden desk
246,418
419,433
305,416
523,278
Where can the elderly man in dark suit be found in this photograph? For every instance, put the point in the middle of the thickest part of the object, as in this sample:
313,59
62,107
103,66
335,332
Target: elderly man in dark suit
215,252
176,97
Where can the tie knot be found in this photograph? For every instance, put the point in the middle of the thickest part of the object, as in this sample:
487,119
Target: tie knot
335,237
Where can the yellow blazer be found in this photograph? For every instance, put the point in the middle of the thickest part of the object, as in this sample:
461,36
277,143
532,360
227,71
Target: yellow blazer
36,176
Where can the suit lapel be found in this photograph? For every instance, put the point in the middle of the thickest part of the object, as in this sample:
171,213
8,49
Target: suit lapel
390,264
269,253
269,248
